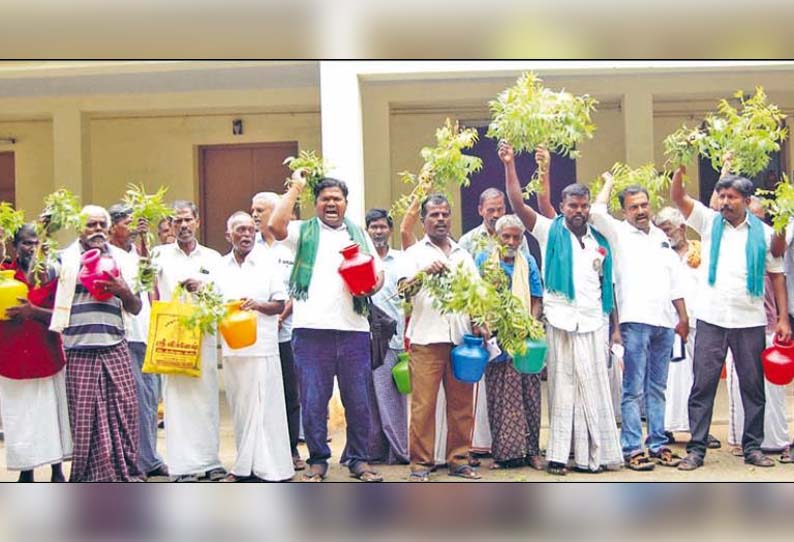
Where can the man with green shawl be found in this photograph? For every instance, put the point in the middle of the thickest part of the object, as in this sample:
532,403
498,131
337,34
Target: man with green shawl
577,299
331,335
736,254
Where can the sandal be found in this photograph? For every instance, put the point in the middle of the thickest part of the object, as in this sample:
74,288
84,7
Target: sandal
690,463
639,462
665,457
713,442
585,470
419,476
465,471
787,456
557,469
367,476
536,462
737,451
314,475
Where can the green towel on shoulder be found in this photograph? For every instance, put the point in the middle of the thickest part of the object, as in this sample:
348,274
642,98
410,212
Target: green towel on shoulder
754,252
558,264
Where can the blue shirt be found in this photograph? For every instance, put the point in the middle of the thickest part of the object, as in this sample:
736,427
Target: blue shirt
386,298
535,285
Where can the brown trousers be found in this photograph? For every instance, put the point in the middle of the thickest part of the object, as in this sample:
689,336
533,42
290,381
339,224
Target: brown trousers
430,366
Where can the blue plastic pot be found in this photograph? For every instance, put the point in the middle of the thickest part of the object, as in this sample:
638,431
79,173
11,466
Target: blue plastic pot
469,359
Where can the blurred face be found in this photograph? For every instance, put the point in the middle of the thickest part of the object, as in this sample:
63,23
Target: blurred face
379,231
165,232
637,211
241,235
96,231
576,210
185,226
437,221
511,237
732,204
28,243
120,232
756,209
261,212
676,234
491,210
331,206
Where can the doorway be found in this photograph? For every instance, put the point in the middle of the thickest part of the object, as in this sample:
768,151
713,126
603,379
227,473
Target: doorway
229,175
7,179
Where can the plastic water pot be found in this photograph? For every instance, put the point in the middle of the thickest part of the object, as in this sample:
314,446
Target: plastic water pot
97,266
402,373
778,362
469,359
238,327
10,290
357,270
534,359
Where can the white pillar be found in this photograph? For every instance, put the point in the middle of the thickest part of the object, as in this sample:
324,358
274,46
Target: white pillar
638,125
71,153
342,132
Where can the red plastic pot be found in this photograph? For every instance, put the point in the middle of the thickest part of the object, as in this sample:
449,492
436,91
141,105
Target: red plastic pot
778,362
357,270
97,266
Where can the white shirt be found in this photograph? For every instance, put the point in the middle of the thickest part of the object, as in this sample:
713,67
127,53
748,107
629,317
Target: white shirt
258,278
469,241
428,325
648,272
329,304
788,264
138,331
584,314
284,259
727,304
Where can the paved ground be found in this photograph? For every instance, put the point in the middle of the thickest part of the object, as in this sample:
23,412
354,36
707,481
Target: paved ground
720,464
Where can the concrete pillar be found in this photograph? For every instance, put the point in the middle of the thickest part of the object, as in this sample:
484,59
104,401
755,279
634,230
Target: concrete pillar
638,126
71,152
342,132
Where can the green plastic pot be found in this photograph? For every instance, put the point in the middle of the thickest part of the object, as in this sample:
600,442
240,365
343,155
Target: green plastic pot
533,361
402,374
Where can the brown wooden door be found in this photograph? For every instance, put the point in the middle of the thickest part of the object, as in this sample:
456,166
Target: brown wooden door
7,185
230,175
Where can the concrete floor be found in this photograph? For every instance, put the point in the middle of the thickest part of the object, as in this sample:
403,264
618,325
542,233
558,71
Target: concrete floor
720,464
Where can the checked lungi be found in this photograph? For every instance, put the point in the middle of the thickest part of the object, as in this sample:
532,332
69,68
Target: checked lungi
103,411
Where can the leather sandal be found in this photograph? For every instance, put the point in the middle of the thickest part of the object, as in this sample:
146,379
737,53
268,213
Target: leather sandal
639,462
690,463
465,471
758,459
665,457
557,469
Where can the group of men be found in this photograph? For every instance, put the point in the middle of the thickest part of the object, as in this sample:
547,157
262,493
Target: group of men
614,294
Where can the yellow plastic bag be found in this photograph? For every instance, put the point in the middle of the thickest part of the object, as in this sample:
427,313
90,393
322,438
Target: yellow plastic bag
172,348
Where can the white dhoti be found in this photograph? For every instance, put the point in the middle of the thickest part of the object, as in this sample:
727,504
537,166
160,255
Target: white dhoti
680,376
255,393
441,428
481,435
192,418
775,424
581,401
36,421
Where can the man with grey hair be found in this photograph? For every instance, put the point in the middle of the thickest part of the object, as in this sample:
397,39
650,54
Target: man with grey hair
192,422
262,205
253,374
100,387
514,398
649,287
730,309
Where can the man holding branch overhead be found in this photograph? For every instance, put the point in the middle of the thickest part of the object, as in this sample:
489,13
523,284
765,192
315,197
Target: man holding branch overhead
730,308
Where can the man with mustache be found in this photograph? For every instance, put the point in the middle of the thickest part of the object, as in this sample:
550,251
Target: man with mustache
32,380
254,390
103,405
433,335
124,235
330,336
192,422
389,416
730,309
649,286
577,299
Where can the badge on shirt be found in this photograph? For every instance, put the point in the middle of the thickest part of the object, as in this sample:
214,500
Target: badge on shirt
598,263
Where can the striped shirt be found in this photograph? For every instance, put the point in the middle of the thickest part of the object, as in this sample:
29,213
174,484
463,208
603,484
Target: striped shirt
93,323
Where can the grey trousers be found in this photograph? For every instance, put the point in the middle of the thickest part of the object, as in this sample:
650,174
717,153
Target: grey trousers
711,347
147,387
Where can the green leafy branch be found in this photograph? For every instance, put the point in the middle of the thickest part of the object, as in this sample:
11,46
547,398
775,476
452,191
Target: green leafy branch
62,211
779,203
316,169
210,308
153,209
657,184
445,165
11,220
528,115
